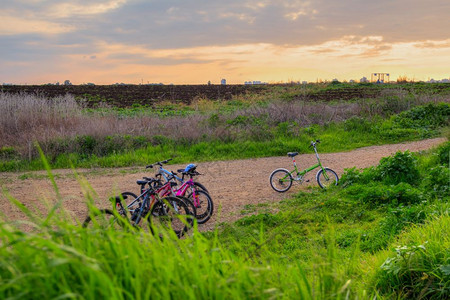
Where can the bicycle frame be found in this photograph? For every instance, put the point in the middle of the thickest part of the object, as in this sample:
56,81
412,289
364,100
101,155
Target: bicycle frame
300,174
167,190
149,197
181,191
165,173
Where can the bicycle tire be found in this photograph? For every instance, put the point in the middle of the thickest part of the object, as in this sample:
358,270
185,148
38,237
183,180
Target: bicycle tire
130,197
189,204
170,213
204,212
333,178
201,187
104,219
278,182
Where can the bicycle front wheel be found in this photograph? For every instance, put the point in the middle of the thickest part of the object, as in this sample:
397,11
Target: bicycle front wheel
170,213
204,205
327,178
281,180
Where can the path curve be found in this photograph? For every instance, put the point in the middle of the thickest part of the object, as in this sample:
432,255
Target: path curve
232,184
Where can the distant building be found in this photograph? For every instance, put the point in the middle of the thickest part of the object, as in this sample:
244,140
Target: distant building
445,80
223,82
364,79
379,77
67,82
255,82
304,82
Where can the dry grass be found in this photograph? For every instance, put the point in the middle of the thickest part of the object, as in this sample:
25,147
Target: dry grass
28,118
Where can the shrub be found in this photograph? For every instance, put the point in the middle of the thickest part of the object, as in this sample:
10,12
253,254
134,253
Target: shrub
437,181
401,167
444,153
430,116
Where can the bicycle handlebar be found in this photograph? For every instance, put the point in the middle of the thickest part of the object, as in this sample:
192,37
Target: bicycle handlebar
159,163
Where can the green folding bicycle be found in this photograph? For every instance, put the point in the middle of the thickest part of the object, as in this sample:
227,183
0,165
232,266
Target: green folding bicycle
281,179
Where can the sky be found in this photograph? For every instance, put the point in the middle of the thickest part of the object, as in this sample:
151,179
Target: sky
196,41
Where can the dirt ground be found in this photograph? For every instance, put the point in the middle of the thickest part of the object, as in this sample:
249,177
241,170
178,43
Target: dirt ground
234,185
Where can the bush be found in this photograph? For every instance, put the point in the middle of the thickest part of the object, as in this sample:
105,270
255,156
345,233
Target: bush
437,181
401,167
392,170
430,116
353,175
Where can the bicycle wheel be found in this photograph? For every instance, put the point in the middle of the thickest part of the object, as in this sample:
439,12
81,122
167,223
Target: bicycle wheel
170,213
103,219
204,205
281,180
200,186
129,197
322,179
190,205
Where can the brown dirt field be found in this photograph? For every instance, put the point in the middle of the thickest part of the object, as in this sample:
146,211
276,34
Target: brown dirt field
233,185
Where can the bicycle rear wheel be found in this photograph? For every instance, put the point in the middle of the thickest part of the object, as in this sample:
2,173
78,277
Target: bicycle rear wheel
103,219
170,213
281,180
129,197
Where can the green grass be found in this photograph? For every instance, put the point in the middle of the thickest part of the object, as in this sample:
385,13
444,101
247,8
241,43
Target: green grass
321,244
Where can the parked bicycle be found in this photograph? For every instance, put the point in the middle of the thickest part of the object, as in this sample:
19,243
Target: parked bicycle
190,189
166,174
148,211
281,179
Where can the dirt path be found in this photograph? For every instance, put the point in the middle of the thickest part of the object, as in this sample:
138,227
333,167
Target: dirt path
233,184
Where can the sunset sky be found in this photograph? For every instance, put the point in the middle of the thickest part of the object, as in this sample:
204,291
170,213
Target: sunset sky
193,41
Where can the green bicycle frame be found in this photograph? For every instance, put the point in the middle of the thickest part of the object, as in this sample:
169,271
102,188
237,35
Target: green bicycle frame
303,172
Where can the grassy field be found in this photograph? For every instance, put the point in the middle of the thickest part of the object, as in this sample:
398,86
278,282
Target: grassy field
249,125
383,232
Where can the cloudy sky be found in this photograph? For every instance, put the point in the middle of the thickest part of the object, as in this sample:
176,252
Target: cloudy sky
193,41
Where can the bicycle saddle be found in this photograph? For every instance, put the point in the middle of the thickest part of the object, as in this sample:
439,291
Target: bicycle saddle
292,154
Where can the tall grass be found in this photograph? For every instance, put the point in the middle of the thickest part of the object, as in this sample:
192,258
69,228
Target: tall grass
63,127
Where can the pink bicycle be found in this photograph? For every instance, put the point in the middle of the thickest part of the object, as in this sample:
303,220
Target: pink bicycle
194,194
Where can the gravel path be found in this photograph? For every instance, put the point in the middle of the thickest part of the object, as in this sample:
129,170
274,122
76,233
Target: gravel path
233,185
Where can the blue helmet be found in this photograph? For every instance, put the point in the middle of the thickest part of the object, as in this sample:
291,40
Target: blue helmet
189,167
